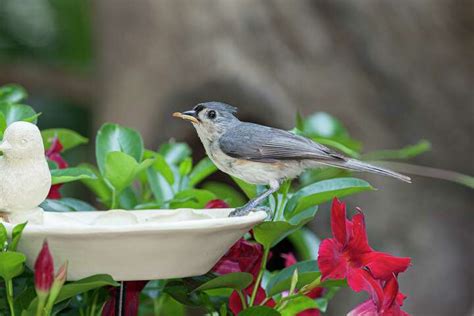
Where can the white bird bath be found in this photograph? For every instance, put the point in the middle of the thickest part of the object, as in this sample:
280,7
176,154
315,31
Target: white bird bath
137,245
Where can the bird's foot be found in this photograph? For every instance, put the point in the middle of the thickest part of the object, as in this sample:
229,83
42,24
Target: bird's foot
243,211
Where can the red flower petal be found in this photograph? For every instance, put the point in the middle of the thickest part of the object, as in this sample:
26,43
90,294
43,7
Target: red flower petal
54,193
383,265
216,204
390,292
62,164
330,260
290,259
243,256
338,221
367,308
132,299
44,269
235,304
358,241
55,148
362,280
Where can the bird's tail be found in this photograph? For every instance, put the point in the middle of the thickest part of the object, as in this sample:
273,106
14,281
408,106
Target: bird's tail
356,165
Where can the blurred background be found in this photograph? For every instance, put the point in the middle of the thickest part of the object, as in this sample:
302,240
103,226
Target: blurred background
393,72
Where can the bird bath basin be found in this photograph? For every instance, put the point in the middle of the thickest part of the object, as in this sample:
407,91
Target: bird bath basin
136,245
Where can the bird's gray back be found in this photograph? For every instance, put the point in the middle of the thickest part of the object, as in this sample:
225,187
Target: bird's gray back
266,144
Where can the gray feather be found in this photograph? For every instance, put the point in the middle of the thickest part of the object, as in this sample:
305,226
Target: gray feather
265,144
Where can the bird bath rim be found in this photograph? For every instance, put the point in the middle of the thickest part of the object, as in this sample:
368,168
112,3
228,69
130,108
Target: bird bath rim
187,245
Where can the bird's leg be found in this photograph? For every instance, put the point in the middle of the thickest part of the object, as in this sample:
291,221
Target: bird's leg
252,204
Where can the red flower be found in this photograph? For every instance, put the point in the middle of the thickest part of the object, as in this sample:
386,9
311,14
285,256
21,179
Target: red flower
290,260
348,253
132,299
217,204
384,301
44,270
235,304
243,256
54,154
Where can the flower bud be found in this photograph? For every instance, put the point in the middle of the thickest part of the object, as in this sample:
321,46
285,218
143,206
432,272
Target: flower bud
44,270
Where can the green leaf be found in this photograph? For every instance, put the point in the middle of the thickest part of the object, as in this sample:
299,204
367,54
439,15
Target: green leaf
66,205
68,138
307,272
3,237
259,311
297,305
3,124
16,236
175,153
112,138
186,166
323,191
403,153
161,166
202,170
160,187
12,93
322,124
74,288
97,185
11,264
226,193
71,174
306,243
250,190
17,112
294,281
121,169
192,198
236,281
271,233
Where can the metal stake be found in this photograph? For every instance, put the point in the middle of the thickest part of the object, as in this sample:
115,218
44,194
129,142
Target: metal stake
120,299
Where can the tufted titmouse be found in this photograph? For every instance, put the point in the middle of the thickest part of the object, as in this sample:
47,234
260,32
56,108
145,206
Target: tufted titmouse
263,155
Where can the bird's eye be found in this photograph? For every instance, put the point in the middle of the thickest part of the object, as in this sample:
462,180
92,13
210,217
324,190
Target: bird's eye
212,114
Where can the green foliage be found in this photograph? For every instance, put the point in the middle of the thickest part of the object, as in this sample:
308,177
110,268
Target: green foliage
68,139
307,272
71,174
259,311
236,281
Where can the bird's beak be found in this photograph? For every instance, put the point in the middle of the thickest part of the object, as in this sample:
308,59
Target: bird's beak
4,146
188,116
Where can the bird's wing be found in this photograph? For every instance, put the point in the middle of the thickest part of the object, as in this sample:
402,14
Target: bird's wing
265,144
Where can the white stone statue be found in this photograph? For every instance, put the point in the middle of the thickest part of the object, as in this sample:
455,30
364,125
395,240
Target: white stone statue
25,178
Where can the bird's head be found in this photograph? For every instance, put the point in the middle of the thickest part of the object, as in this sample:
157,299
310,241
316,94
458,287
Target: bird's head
210,119
22,140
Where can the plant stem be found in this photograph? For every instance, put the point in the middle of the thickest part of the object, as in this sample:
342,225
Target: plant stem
242,299
114,200
9,290
94,302
41,303
266,251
